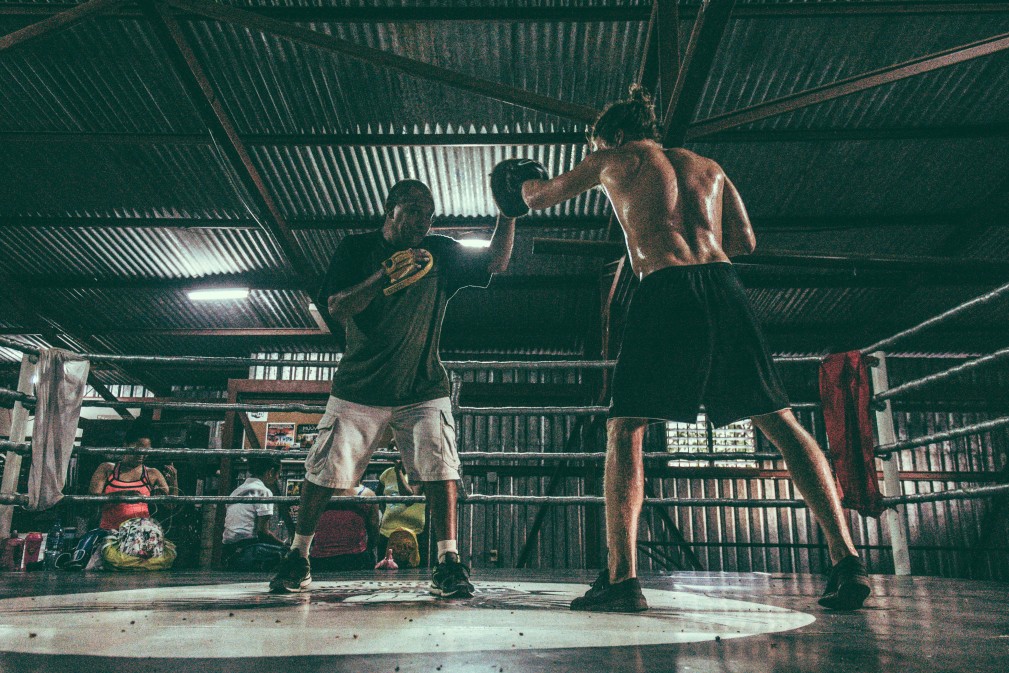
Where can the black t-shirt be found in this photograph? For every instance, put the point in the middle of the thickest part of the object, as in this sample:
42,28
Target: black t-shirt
392,345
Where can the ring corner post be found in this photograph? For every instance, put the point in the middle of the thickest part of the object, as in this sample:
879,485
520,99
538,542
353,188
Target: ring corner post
895,519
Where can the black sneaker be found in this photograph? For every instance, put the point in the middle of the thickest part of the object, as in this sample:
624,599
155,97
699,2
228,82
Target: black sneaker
602,596
450,579
847,585
294,574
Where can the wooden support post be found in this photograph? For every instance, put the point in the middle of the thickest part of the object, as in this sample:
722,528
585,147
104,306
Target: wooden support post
895,519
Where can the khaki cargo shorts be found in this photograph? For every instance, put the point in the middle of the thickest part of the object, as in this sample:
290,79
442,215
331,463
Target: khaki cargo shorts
349,434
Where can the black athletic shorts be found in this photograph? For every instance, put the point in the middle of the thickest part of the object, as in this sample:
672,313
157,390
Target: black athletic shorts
691,338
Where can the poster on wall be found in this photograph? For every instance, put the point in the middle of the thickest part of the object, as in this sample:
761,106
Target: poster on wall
306,436
280,436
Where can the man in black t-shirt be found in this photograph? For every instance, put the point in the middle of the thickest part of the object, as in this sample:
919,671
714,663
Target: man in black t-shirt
390,288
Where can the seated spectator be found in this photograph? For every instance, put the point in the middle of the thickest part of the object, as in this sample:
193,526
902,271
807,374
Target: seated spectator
129,475
249,544
402,523
346,535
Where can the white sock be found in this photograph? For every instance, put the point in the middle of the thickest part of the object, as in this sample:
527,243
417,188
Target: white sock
302,543
447,547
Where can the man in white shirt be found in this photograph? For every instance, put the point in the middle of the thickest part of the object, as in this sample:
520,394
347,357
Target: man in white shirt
249,544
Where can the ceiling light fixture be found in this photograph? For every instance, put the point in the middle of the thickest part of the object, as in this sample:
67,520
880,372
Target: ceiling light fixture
219,294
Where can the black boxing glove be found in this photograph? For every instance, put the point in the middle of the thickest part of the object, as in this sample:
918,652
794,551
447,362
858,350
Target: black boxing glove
506,184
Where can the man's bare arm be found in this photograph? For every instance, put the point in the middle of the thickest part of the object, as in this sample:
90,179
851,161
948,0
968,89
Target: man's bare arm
501,244
737,231
540,194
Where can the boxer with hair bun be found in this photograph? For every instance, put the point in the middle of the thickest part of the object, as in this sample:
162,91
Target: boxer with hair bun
691,336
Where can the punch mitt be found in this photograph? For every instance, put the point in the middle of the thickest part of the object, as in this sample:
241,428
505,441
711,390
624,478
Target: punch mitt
404,269
506,184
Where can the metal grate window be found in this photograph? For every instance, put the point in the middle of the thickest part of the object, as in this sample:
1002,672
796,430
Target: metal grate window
701,437
295,366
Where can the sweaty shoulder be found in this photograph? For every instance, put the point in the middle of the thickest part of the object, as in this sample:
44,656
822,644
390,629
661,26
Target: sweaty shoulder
686,158
616,161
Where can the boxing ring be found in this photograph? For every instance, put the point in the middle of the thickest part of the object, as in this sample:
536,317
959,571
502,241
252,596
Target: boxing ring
519,619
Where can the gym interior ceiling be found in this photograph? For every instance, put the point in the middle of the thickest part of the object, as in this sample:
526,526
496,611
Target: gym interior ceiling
147,149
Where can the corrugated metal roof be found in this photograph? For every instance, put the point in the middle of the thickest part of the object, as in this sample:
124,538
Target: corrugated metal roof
882,241
317,182
11,355
91,180
270,85
122,252
992,246
929,301
168,309
762,60
809,306
97,76
879,177
976,92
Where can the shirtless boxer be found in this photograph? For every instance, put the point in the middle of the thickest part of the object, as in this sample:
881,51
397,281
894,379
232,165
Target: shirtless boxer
691,336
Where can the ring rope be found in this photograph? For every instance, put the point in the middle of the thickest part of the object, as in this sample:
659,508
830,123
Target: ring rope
473,499
972,493
452,365
969,493
935,320
937,377
976,428
29,400
24,448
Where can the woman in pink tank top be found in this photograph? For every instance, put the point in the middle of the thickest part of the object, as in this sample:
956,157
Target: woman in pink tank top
114,514
130,475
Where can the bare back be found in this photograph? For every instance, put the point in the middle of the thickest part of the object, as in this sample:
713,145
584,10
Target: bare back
669,203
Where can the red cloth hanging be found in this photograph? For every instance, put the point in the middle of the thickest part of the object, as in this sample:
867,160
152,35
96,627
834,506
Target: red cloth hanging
845,395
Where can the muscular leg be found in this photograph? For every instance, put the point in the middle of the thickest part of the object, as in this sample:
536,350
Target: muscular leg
624,487
812,478
441,500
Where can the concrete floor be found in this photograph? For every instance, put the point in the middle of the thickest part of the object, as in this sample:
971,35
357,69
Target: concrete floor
518,622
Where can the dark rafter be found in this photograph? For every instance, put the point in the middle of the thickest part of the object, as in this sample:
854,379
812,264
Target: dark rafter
573,13
201,93
661,65
695,69
203,97
409,66
850,85
57,22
